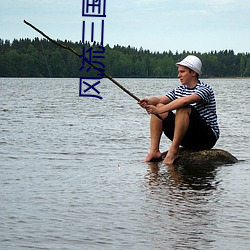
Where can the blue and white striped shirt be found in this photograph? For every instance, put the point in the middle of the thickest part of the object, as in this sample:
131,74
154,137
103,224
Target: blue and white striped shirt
206,108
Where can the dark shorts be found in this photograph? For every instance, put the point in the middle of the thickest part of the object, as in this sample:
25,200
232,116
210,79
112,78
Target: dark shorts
199,135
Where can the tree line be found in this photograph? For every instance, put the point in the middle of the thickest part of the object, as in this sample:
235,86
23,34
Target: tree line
41,58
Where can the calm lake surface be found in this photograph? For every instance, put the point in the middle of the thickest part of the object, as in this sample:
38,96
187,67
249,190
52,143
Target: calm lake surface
72,175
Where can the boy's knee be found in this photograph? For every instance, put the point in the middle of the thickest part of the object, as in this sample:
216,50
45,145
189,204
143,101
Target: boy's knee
184,110
159,105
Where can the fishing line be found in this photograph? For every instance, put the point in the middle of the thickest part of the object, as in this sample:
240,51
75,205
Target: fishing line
45,58
91,64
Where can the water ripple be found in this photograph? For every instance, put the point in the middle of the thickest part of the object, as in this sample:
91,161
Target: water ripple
72,175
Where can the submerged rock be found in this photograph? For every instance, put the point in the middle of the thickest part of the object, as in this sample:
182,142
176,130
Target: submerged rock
204,157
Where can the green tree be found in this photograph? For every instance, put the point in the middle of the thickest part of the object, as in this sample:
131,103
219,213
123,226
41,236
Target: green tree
247,69
41,58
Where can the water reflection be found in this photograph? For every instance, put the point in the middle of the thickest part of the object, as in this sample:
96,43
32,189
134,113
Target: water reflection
183,198
183,177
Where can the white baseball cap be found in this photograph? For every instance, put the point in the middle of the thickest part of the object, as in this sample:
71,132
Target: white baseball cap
191,62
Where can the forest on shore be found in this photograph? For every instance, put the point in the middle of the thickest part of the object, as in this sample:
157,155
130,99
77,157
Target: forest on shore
41,58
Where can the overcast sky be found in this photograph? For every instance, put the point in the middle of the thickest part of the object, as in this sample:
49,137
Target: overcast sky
157,25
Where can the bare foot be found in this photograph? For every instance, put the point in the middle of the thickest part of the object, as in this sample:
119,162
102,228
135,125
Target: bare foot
153,156
170,157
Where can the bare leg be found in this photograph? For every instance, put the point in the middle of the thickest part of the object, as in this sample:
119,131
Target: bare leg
155,137
181,127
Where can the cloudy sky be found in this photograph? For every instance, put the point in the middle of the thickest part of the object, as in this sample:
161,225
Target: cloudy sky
157,25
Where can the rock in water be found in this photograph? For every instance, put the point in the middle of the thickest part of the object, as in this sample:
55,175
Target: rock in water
205,157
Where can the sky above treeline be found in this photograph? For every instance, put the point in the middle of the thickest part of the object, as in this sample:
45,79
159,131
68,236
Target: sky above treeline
155,25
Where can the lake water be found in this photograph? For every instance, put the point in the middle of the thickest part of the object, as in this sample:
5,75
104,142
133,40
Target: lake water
72,175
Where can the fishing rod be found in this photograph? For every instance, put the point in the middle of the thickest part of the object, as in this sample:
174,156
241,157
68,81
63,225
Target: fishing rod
91,64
